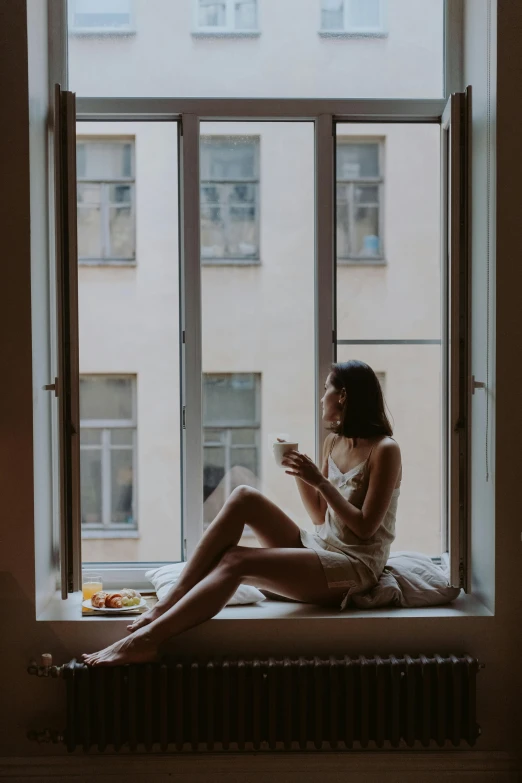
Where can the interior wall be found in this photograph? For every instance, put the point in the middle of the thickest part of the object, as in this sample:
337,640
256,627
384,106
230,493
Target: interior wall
496,640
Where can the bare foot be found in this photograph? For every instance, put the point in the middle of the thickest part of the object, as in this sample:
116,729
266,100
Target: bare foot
138,648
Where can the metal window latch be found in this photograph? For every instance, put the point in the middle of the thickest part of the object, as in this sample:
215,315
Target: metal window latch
476,384
52,387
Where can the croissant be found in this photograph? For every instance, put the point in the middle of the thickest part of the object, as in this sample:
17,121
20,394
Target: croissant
98,599
114,601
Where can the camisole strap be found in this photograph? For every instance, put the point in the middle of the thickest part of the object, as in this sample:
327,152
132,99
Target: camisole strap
332,445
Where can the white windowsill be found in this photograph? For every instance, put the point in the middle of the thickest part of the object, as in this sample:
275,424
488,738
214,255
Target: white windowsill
226,33
464,606
348,34
109,533
88,32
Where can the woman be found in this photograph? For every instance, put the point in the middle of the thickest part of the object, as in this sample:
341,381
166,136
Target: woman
352,502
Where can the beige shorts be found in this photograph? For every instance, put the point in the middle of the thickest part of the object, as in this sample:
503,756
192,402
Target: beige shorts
341,570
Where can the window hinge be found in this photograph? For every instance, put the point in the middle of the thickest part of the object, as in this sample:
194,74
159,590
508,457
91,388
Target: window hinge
183,337
185,549
180,126
183,418
52,387
462,574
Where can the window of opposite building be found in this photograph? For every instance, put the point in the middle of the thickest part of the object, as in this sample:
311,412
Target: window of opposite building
226,16
231,427
356,17
101,16
106,200
359,200
108,452
230,200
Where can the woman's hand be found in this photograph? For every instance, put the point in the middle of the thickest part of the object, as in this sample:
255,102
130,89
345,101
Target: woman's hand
301,466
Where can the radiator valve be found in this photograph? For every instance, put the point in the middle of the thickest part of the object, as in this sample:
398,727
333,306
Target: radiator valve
45,668
45,736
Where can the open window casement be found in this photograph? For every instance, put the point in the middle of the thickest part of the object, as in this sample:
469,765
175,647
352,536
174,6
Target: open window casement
456,330
66,386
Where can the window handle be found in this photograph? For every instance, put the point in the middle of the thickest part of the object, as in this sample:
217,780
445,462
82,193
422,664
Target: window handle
476,384
52,387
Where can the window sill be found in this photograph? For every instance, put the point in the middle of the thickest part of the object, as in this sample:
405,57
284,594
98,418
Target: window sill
465,606
100,263
230,262
109,533
105,32
362,262
226,34
347,34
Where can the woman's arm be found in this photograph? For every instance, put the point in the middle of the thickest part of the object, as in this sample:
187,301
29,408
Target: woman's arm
364,522
313,501
385,471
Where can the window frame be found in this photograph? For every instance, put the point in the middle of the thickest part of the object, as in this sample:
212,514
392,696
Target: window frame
256,182
188,112
105,204
104,425
351,31
105,30
353,258
228,30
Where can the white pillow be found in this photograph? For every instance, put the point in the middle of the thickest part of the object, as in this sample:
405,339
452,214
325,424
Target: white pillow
410,579
164,577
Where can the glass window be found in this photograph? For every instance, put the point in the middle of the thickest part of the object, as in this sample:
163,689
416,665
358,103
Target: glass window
105,200
231,425
100,15
359,195
227,15
107,451
229,199
353,16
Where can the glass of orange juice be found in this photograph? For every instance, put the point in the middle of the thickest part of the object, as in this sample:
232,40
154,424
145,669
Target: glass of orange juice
91,583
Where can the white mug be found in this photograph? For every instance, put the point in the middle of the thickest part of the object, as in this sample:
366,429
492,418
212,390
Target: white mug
280,449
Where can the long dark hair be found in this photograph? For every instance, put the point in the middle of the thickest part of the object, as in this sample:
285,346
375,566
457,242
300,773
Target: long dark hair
363,414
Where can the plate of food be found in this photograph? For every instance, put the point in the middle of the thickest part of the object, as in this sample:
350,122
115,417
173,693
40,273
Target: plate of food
117,601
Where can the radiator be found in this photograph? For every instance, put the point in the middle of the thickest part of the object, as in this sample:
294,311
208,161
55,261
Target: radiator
274,704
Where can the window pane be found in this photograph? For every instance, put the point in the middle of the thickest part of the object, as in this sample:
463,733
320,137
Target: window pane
246,16
89,232
106,398
399,300
122,483
332,15
212,14
229,398
129,339
364,14
367,241
258,321
105,160
357,160
90,437
243,437
289,59
90,477
121,233
100,13
228,158
121,437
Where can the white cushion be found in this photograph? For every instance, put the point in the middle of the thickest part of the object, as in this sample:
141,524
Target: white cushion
164,577
410,579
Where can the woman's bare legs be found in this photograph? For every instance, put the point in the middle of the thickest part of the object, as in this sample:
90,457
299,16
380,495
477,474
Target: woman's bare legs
273,528
293,573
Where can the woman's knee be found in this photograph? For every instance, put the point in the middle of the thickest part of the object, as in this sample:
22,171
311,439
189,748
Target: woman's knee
233,561
244,495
